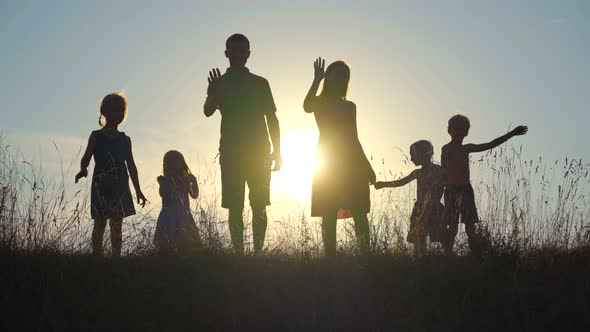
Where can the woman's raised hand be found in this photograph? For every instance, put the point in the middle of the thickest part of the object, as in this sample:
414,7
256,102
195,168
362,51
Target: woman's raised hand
319,67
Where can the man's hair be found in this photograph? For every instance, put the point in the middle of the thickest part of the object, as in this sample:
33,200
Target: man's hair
459,121
236,38
422,146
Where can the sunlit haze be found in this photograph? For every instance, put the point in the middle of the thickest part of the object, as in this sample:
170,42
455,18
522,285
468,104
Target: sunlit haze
413,66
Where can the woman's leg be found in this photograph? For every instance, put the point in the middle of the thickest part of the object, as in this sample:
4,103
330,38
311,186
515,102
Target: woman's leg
449,237
472,239
116,235
329,233
97,234
361,229
420,246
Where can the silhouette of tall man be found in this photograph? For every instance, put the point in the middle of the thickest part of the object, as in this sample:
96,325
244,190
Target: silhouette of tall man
246,105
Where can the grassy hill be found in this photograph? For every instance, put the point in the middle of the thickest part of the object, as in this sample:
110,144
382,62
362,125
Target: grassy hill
534,274
541,291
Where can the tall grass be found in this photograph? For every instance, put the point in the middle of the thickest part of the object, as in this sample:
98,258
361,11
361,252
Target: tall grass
524,205
36,212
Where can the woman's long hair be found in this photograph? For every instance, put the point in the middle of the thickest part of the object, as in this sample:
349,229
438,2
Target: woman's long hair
336,85
174,164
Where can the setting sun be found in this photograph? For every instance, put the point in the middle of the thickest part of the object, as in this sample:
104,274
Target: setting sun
293,182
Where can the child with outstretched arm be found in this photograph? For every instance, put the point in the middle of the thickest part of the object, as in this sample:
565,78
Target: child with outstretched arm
426,218
459,196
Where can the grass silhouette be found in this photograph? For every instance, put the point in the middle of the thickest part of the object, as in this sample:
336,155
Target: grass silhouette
533,275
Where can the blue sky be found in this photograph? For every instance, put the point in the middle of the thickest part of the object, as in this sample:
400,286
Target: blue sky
414,64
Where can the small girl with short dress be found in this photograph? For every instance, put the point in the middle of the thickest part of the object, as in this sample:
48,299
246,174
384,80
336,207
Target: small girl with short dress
110,196
176,229
427,217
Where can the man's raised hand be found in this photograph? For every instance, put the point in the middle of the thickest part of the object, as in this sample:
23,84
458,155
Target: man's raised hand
213,79
319,67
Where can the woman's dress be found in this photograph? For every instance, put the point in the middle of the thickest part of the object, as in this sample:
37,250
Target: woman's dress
341,179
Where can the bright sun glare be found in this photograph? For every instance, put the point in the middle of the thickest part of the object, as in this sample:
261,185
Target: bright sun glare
293,182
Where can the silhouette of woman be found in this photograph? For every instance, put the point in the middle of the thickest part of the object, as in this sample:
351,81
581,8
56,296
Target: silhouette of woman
342,178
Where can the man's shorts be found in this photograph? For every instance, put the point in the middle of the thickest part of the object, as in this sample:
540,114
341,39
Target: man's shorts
460,203
237,171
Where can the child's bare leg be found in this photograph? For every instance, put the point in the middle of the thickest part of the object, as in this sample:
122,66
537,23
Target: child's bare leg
449,242
361,230
329,233
116,235
97,235
472,238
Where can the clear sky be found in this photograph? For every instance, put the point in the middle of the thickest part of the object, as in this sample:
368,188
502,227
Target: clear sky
414,64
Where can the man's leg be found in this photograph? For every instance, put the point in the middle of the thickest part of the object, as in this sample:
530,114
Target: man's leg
116,225
97,235
236,229
361,230
259,224
258,180
232,197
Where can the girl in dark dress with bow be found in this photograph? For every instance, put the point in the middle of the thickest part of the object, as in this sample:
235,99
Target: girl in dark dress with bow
110,196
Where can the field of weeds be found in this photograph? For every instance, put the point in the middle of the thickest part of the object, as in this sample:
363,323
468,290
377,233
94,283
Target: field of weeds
533,275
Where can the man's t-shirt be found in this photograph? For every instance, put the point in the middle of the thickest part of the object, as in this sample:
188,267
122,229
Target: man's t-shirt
244,99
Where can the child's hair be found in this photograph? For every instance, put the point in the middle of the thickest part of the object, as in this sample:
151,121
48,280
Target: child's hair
422,147
174,164
459,121
236,38
336,88
112,104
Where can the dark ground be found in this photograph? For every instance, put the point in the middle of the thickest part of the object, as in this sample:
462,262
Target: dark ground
544,291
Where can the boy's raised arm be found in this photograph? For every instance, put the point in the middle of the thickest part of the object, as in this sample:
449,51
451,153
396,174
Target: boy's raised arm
520,130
